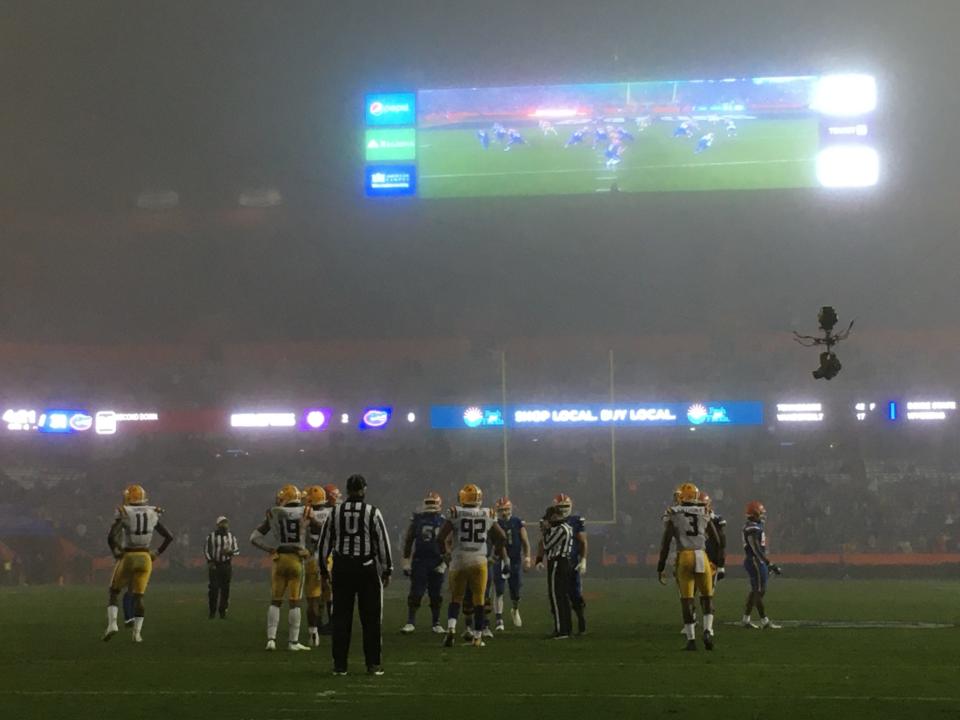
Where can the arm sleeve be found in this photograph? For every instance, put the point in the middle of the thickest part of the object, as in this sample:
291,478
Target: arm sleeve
327,539
408,540
167,538
208,548
383,544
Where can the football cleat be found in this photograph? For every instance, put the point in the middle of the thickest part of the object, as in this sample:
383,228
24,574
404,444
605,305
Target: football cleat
110,632
137,637
438,630
749,624
450,639
339,673
500,627
558,636
768,624
129,623
708,640
375,670
296,647
478,642
487,632
271,644
467,635
407,629
517,620
691,645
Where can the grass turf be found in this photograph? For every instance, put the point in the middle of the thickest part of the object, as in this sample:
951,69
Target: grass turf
766,153
53,663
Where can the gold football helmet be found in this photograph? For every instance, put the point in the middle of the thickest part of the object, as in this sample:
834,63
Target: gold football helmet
315,496
470,496
134,495
288,495
689,493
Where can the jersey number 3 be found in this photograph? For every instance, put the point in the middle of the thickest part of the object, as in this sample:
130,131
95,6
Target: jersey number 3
473,530
694,523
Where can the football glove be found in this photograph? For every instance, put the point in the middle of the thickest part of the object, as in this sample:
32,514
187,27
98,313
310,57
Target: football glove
775,569
407,567
721,573
582,566
505,570
441,568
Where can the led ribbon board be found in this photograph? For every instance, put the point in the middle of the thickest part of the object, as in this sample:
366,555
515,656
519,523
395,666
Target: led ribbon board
724,134
454,417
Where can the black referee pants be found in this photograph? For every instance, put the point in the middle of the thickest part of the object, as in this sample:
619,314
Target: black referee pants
219,587
558,585
356,580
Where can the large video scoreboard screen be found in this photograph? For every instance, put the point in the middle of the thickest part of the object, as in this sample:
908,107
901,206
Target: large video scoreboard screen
725,134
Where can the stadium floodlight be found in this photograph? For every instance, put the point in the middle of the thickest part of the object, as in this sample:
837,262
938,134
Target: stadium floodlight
848,166
411,417
260,198
845,95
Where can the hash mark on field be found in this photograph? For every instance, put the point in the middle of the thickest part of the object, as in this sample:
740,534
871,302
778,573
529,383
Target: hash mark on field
631,167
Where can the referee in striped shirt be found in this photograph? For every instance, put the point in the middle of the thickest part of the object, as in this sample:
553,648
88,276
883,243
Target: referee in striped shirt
557,547
356,537
219,549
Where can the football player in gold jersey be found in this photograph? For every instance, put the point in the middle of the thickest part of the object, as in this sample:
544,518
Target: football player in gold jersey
289,522
129,540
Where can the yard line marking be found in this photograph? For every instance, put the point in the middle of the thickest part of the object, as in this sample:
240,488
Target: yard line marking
366,693
631,167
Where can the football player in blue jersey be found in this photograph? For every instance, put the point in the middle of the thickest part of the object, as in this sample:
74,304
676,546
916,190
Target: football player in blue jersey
613,155
518,550
601,135
576,138
423,562
578,558
499,132
514,139
758,565
484,137
704,144
624,135
685,129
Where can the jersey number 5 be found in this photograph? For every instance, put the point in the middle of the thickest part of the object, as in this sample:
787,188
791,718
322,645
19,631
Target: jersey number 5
473,530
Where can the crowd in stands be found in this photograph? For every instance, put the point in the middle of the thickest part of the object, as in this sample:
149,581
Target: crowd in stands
68,500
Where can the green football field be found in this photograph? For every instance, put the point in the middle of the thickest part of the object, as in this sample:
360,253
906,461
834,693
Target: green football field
765,154
630,664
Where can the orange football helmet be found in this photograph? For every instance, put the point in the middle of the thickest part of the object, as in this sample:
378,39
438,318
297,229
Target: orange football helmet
564,504
333,494
689,493
288,495
504,507
756,510
704,498
470,496
134,495
432,502
315,496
